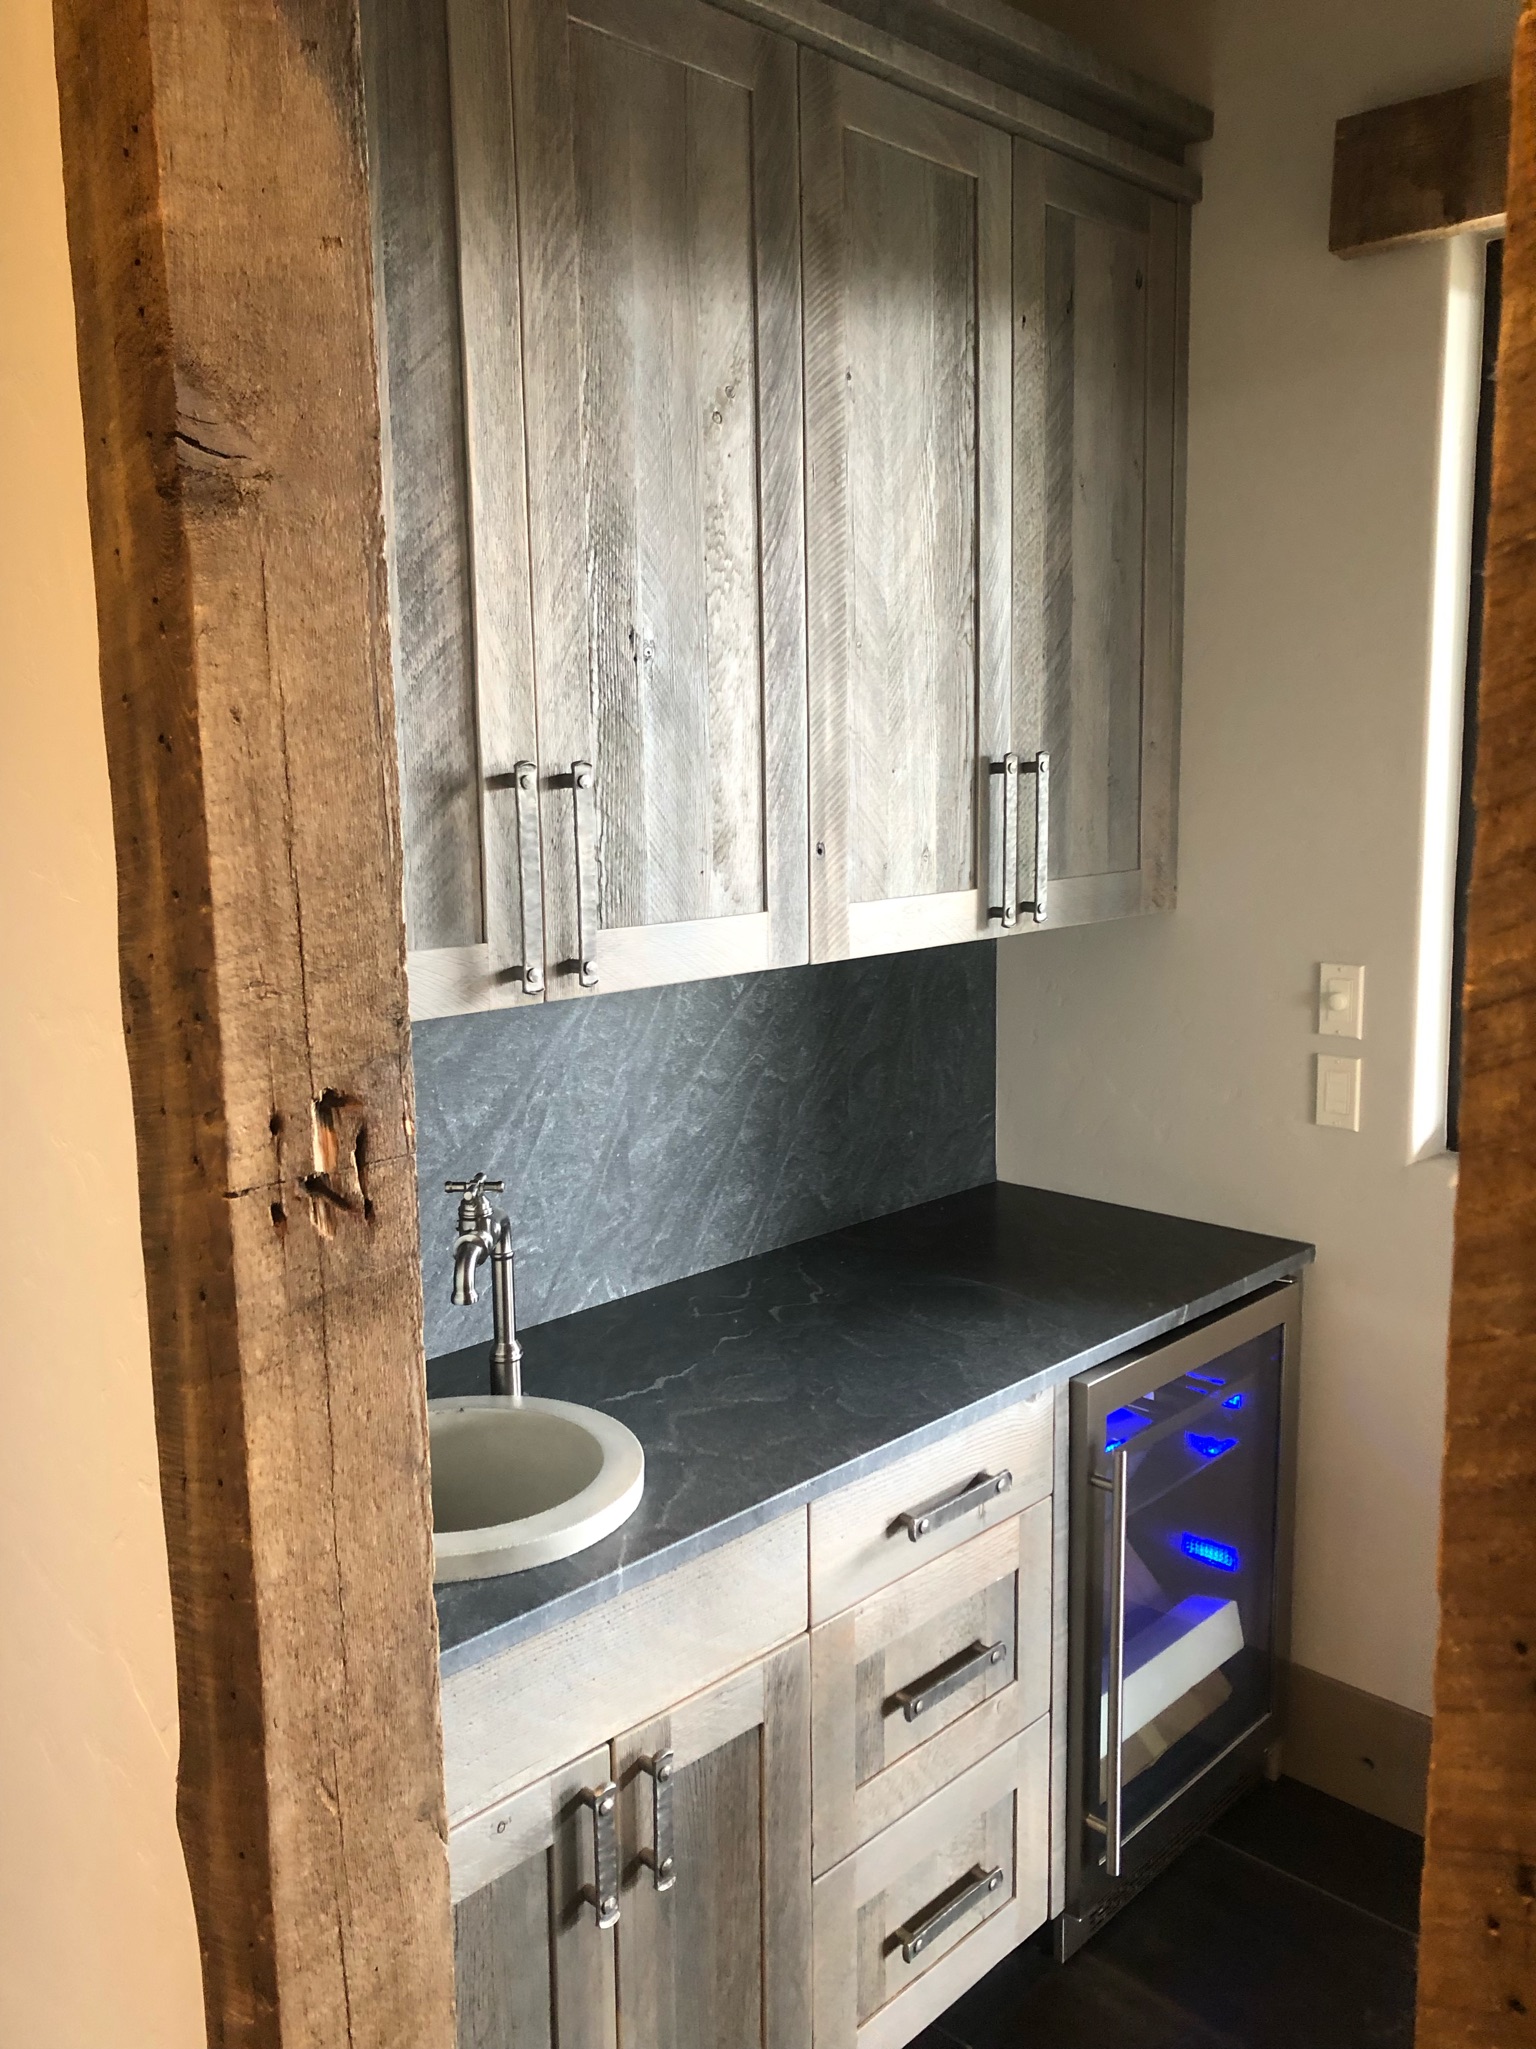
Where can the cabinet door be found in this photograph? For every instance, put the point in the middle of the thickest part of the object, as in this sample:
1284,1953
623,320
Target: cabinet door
1099,345
533,1969
908,424
715,1950
658,209
445,235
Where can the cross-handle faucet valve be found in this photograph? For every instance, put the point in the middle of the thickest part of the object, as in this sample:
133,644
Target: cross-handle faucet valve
486,1233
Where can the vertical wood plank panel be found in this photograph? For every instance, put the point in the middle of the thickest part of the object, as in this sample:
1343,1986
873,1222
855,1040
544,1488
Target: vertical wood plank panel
501,1961
480,78
412,171
829,564
219,227
1477,1952
548,234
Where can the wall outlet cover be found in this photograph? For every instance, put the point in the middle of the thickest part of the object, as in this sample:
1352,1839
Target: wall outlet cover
1338,1091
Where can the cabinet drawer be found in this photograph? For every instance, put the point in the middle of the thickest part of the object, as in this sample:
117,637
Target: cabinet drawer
924,1678
859,1542
906,1923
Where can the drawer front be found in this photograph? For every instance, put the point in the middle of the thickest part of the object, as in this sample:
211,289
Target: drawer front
911,1919
859,1540
515,1717
923,1679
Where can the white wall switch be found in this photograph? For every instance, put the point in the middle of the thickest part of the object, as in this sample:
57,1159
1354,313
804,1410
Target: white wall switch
1338,1091
1341,1001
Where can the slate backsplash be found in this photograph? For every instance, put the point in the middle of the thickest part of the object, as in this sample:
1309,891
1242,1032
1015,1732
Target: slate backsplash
661,1132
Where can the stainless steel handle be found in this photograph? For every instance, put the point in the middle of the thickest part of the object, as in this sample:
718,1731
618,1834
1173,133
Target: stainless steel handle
1040,769
1114,1736
583,784
660,1857
1004,898
602,1802
951,1906
946,1508
947,1678
530,873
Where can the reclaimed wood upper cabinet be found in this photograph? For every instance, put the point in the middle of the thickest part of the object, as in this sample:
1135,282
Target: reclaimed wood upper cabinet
1099,283
603,702
784,458
908,431
659,201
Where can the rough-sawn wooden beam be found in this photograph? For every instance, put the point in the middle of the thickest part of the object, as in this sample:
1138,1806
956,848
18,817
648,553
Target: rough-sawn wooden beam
219,238
1477,1952
1421,169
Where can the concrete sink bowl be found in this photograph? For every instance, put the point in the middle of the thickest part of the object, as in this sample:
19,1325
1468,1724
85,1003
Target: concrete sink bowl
521,1481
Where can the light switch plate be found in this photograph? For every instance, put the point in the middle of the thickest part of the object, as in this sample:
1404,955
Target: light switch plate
1338,1091
1340,1001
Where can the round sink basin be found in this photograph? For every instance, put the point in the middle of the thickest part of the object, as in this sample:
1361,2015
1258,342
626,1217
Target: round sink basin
518,1483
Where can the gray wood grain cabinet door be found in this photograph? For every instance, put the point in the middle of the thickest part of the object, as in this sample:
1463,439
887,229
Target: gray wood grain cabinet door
908,412
445,234
1100,282
714,1951
532,1968
659,223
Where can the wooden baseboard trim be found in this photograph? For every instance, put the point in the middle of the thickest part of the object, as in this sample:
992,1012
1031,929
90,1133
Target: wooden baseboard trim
1356,1746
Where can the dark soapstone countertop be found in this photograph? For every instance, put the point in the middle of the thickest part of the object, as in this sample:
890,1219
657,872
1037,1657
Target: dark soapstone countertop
757,1386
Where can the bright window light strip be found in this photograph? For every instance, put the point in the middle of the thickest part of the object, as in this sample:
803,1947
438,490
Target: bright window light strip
1224,1557
1460,389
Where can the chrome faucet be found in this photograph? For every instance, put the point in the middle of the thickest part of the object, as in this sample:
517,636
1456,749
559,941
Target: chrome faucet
486,1233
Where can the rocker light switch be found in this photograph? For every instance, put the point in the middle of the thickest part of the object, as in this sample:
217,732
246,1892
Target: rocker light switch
1338,1092
1340,1001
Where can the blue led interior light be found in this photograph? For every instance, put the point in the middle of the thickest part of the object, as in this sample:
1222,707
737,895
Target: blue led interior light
1234,1401
1210,1380
1208,1447
1121,1426
1224,1557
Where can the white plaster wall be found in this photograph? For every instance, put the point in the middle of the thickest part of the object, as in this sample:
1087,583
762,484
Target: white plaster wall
97,1945
1169,1062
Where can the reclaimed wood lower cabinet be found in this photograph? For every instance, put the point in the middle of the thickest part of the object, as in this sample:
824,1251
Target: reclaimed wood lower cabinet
831,1810
907,1923
655,1891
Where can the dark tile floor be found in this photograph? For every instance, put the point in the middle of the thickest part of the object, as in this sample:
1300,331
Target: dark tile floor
1291,1924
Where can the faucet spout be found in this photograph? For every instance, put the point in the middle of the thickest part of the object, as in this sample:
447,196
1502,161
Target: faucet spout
467,1255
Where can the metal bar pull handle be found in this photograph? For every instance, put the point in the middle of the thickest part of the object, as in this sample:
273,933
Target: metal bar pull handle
951,1906
583,789
661,1857
947,1508
945,1679
603,1895
1114,1709
530,874
1002,899
1040,769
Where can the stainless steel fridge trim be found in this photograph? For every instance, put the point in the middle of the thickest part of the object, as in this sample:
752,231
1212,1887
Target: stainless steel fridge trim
1137,1373
1114,1735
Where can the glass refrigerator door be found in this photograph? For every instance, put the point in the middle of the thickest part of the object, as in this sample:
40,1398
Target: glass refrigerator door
1184,1482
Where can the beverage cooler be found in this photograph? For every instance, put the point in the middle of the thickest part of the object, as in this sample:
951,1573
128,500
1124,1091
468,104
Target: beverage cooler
1181,1478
